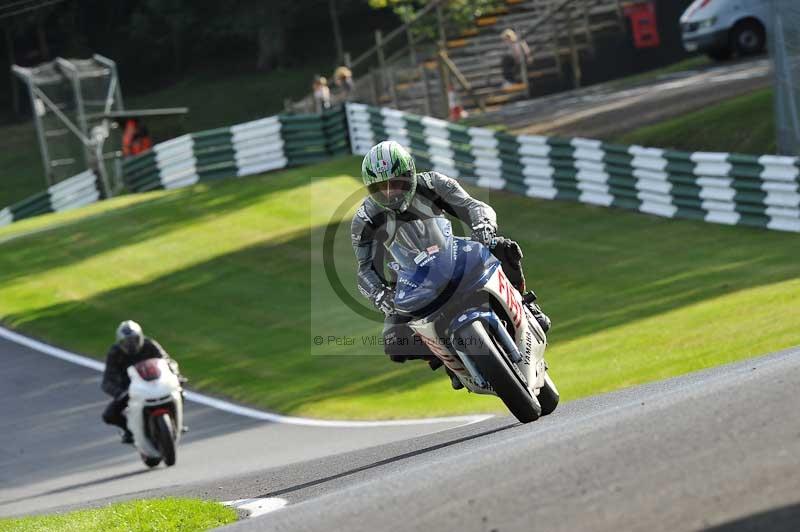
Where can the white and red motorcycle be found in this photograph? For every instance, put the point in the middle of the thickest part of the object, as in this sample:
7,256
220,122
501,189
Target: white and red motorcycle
471,317
155,410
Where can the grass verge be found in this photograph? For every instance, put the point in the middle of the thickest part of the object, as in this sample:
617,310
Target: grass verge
745,124
229,276
690,63
165,515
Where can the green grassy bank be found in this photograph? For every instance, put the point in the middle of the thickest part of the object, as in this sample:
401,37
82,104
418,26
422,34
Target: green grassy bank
745,124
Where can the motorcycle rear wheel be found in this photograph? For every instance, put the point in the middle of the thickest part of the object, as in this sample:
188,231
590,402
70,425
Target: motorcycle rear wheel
496,369
165,438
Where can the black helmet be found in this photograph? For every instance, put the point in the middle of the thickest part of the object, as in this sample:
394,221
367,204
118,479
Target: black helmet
130,337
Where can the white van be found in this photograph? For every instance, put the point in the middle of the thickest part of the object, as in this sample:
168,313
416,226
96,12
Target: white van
721,28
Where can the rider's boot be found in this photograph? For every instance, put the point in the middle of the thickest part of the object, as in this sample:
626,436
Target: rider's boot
529,299
455,382
127,437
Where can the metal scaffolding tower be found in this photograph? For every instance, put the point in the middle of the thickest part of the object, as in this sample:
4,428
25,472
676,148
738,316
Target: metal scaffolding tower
71,100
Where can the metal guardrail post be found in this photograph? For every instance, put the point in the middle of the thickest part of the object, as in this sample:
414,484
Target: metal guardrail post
425,88
444,82
575,56
440,23
379,48
523,72
620,16
337,32
373,85
387,80
392,88
587,26
554,41
412,50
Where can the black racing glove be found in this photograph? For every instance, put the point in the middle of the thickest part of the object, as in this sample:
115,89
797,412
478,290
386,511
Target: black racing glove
483,232
384,300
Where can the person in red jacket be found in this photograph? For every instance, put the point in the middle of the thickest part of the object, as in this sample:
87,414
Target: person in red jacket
135,138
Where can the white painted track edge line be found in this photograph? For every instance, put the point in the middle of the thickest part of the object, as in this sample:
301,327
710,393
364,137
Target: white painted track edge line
258,506
232,408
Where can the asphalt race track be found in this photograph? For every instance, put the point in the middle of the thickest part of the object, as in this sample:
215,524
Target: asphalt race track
718,450
56,452
609,109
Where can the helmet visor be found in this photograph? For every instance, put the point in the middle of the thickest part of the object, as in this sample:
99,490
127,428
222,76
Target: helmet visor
131,344
394,192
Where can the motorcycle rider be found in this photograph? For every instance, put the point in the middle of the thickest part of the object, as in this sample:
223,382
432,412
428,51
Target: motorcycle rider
400,197
131,347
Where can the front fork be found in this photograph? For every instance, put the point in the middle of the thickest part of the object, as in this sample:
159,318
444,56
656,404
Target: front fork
495,328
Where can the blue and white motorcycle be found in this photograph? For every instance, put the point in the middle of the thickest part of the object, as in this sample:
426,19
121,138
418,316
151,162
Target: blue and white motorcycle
464,308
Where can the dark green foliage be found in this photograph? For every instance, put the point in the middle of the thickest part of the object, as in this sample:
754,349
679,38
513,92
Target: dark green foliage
159,42
459,14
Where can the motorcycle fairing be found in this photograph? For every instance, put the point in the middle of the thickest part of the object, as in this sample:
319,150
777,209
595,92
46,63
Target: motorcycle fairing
143,395
442,275
448,274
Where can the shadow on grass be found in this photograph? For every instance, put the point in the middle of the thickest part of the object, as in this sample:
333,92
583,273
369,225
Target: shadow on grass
136,223
241,324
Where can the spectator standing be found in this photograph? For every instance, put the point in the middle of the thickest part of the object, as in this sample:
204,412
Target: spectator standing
517,51
322,94
135,138
343,78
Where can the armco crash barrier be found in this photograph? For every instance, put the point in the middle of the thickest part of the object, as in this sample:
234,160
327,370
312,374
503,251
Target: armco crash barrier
715,187
244,149
71,193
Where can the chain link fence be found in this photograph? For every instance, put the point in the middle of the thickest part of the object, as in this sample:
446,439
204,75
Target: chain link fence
785,51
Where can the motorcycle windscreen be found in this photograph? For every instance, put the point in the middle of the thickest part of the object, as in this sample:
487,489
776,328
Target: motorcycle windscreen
148,369
414,240
441,275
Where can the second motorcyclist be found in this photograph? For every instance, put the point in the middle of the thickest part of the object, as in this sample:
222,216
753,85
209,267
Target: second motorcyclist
131,347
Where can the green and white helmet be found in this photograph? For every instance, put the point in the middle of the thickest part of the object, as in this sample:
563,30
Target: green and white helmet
390,175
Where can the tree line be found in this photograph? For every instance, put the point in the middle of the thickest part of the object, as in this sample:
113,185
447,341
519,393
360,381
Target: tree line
163,40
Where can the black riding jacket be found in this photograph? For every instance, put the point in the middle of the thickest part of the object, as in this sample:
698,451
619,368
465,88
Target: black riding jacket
436,195
115,376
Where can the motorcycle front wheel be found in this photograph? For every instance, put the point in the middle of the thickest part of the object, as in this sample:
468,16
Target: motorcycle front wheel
165,438
475,343
150,461
548,395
